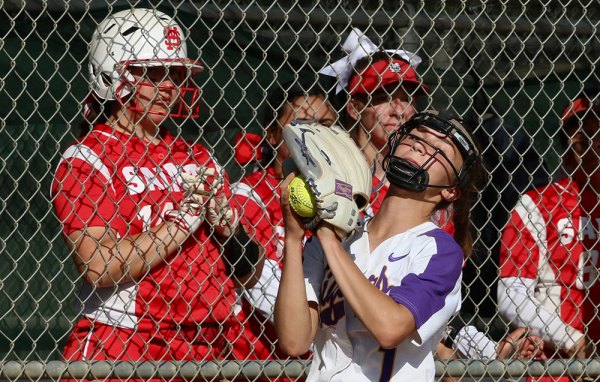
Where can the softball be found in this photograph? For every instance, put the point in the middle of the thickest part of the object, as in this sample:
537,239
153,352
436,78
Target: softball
301,197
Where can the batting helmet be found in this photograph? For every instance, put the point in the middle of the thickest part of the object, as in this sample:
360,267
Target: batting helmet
140,37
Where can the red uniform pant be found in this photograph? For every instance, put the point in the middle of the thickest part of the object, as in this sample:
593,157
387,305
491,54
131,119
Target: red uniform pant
94,341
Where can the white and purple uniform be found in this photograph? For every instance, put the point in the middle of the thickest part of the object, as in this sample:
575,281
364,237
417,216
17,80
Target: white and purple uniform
420,269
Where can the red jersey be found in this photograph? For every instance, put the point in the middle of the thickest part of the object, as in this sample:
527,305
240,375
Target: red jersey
378,193
552,237
257,195
116,180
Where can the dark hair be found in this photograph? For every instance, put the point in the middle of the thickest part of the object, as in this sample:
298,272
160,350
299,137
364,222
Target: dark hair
97,112
280,96
283,94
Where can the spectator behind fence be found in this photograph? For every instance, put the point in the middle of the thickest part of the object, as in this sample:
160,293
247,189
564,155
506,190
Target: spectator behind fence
257,195
145,213
549,252
376,91
372,299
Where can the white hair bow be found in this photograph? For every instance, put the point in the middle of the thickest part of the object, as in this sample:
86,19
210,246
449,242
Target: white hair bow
357,46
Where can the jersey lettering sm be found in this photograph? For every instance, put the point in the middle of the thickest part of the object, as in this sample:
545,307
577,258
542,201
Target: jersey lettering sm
115,180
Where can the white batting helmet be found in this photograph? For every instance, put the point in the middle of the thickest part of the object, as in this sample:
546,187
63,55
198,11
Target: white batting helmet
136,37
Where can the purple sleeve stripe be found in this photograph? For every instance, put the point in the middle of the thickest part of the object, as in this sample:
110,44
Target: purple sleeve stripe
425,294
408,304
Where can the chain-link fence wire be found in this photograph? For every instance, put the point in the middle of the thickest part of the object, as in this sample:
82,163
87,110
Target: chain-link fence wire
507,67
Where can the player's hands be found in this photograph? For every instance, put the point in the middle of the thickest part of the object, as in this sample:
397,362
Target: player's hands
221,216
294,226
206,189
522,345
188,217
327,232
581,349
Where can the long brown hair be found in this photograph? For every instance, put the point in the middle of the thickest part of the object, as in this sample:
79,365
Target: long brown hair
460,209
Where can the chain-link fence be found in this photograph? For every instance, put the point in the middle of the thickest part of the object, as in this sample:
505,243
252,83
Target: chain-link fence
507,68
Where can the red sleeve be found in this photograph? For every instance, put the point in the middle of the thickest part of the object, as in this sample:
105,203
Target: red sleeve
519,249
83,197
256,221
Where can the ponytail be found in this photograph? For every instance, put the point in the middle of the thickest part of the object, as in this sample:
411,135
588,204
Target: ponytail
461,219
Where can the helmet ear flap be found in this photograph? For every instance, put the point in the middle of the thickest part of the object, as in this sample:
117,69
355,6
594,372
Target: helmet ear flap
112,87
123,87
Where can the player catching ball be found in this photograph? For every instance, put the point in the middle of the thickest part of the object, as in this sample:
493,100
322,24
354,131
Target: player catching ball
374,304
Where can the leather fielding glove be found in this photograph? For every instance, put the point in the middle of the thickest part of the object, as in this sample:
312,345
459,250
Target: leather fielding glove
336,171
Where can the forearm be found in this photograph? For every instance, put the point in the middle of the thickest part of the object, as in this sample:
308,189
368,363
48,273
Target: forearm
389,322
517,304
118,260
293,317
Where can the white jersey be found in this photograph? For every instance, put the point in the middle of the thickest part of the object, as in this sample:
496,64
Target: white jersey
420,269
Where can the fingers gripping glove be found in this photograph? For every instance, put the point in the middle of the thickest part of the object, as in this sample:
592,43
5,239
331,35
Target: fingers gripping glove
335,169
206,189
188,217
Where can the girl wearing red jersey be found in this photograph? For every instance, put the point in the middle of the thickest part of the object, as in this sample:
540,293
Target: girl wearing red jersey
382,87
257,194
145,213
549,254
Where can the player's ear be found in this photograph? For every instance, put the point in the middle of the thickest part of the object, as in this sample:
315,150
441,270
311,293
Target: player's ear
352,108
274,134
451,194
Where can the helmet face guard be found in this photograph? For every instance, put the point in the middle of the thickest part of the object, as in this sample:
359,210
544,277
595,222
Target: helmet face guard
409,176
184,104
